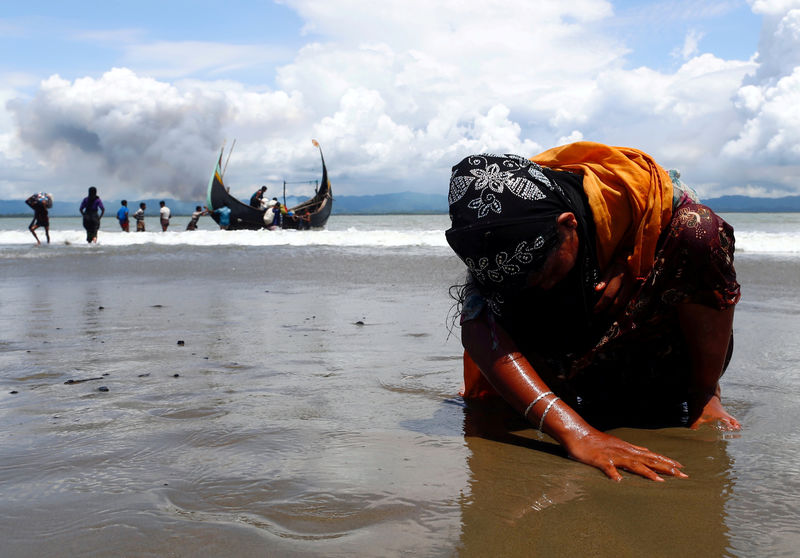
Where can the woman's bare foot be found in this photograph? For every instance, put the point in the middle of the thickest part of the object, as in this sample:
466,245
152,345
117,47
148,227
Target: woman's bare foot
712,412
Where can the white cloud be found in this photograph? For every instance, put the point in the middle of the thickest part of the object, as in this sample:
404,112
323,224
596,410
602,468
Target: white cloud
766,146
691,44
124,131
757,191
772,133
779,45
574,136
396,92
111,38
172,59
773,7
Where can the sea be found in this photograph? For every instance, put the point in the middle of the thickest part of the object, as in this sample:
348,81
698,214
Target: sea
295,393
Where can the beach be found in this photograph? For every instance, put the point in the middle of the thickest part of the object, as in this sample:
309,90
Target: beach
296,394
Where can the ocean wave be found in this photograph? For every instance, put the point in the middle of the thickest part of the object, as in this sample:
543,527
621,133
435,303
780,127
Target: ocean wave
349,237
787,243
768,242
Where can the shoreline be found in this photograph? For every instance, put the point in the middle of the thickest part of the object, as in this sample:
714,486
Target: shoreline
312,410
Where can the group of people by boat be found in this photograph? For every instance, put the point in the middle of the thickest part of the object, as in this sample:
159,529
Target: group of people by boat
92,211
263,212
274,211
226,210
123,216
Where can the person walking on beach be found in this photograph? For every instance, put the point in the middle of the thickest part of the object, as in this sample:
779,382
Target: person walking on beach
41,218
599,292
255,199
122,216
164,213
89,208
139,216
198,212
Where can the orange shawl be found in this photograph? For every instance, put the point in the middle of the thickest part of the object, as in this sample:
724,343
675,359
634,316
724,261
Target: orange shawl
629,194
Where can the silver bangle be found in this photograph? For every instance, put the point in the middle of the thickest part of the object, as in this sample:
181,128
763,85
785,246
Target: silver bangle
535,401
546,410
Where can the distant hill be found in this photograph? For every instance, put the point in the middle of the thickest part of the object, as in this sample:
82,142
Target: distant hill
380,204
746,204
403,202
410,202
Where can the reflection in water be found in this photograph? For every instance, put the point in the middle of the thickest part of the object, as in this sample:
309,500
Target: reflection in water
526,498
91,310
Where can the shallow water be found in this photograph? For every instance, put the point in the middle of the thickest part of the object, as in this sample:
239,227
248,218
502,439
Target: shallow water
314,412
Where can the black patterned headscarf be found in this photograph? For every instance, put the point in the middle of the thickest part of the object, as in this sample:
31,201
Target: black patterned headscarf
503,212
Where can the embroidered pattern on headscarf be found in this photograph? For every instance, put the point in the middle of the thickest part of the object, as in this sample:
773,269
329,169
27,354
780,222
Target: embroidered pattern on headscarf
505,266
489,181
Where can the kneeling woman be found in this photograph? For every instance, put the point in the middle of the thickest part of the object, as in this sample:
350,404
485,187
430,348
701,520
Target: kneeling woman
598,291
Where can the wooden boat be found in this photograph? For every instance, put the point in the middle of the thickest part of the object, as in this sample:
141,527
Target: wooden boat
310,214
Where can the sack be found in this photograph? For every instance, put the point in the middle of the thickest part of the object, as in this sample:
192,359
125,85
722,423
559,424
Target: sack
45,199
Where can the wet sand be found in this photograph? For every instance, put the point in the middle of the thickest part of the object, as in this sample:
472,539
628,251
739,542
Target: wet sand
312,411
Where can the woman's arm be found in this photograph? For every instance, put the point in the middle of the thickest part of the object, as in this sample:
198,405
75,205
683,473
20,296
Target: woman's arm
513,377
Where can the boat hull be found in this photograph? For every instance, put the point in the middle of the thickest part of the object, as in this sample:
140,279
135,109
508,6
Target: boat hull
310,214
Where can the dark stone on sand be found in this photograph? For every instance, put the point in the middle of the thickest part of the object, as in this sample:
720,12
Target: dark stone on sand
102,388
359,323
144,375
69,382
180,342
101,307
176,375
13,392
157,306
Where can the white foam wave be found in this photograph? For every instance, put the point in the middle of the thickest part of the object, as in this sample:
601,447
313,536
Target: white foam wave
758,242
768,242
349,237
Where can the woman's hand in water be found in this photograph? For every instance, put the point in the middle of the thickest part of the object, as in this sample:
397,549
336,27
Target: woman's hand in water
610,454
616,286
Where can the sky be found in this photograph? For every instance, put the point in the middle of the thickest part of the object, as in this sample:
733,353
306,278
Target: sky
137,98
